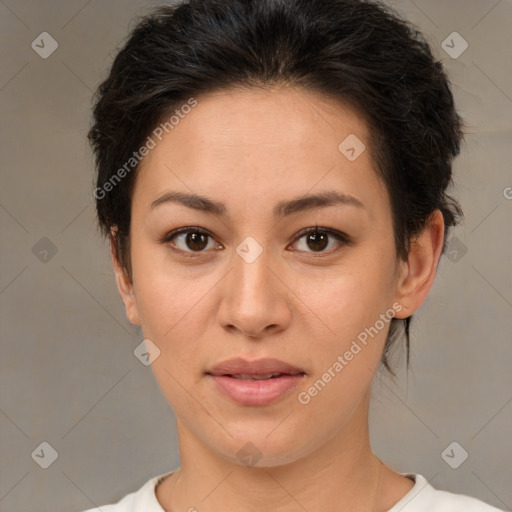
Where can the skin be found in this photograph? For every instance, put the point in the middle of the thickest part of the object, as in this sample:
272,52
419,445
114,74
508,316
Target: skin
250,149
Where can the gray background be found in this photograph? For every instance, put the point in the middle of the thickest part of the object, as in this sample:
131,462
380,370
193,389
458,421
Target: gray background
68,373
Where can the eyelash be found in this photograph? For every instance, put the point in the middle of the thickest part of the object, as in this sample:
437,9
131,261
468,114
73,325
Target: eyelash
340,237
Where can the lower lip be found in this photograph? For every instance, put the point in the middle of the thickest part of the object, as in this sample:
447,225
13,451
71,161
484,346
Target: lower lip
256,392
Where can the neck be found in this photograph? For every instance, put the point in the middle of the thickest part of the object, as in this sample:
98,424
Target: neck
343,474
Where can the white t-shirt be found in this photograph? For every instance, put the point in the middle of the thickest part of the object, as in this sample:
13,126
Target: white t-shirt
421,498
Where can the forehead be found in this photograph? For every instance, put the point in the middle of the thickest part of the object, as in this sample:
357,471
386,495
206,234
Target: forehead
254,117
262,142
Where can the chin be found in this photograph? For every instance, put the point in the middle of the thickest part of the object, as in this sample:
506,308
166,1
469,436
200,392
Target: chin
251,446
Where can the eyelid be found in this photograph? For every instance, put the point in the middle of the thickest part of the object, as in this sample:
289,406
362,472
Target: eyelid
319,229
185,229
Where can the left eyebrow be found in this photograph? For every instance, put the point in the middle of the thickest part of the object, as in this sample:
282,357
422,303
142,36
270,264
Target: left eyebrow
310,202
282,209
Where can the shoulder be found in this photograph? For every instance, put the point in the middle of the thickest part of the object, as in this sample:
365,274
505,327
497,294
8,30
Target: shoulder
425,498
143,500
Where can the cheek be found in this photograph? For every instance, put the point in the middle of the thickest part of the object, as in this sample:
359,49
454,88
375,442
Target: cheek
348,304
167,295
174,307
173,312
349,297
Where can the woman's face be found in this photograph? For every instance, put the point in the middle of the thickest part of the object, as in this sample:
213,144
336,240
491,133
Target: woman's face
306,300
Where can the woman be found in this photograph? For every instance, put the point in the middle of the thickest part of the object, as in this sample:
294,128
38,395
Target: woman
272,177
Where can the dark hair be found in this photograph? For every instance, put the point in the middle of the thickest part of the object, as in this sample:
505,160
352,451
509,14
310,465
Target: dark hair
359,52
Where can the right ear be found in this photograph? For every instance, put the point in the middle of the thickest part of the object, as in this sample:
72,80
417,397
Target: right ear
123,281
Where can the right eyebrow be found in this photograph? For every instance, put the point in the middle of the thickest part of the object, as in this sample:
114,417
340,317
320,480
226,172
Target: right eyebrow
201,203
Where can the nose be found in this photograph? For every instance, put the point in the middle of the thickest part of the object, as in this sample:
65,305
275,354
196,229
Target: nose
254,298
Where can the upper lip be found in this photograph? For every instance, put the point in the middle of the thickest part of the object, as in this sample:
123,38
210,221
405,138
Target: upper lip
240,366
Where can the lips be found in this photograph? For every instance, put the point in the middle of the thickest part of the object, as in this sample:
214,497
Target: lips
260,369
252,383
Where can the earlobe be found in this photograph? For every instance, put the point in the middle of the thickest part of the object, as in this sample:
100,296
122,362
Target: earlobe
417,274
124,284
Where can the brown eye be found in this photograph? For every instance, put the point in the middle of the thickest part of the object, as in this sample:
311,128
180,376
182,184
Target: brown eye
317,240
196,241
190,240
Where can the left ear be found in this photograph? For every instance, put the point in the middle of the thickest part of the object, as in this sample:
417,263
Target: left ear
416,275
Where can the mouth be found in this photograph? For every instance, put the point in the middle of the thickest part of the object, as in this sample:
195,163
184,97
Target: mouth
253,383
248,376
